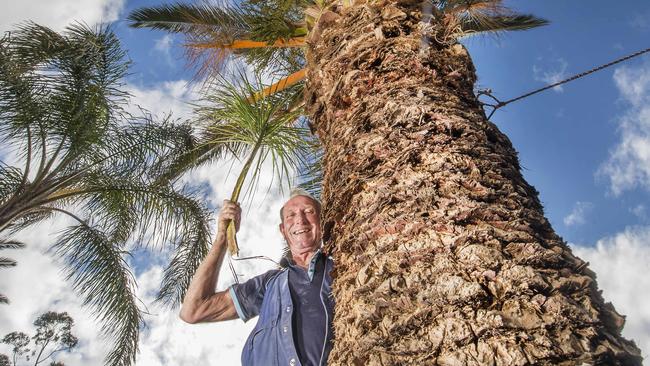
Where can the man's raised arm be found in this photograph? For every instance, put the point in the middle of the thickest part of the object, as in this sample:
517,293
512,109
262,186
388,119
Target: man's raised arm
201,302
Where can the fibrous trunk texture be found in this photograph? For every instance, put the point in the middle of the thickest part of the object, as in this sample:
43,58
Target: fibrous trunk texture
442,252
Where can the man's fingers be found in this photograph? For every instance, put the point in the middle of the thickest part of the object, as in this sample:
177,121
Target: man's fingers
229,211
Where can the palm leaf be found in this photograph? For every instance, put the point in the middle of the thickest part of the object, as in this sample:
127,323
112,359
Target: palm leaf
100,274
256,127
476,25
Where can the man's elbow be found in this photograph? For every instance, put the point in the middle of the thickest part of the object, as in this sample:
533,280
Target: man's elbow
188,317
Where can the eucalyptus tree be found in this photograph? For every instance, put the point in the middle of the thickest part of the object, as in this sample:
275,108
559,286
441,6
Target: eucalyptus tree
443,254
53,336
71,149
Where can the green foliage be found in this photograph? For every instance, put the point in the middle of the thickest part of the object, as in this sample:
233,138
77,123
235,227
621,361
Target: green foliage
19,342
53,335
219,25
79,153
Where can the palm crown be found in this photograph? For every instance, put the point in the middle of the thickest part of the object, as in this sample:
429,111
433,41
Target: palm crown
271,34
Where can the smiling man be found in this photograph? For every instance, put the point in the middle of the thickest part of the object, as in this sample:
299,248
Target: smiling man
293,303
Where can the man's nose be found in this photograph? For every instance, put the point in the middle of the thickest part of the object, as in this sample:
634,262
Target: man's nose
301,218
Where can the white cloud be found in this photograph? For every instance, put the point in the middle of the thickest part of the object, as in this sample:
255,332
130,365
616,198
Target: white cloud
165,97
578,214
628,166
640,211
622,262
641,20
553,75
59,13
164,46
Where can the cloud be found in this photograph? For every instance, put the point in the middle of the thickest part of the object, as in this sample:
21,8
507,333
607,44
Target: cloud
640,211
641,21
628,165
164,46
164,97
578,214
57,14
622,262
552,76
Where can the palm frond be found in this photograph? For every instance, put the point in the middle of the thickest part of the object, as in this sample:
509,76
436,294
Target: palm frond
10,244
223,23
258,127
495,24
201,24
7,262
84,93
10,182
211,31
100,274
190,251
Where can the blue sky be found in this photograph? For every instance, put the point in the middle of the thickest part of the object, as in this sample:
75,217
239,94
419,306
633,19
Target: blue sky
586,148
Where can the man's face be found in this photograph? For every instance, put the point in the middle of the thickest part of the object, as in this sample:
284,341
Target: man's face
301,224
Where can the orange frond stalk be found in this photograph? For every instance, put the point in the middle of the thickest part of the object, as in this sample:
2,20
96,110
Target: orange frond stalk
247,43
279,86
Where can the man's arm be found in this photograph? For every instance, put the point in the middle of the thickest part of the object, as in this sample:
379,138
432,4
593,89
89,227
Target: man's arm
201,302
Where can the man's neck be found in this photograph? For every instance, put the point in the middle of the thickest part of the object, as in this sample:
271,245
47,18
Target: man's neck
303,259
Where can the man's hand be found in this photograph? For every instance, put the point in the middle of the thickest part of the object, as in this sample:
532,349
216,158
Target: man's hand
229,211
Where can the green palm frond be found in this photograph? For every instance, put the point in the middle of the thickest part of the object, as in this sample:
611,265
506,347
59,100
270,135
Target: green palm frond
477,25
10,181
33,44
7,262
200,24
190,251
210,29
261,128
223,23
99,272
471,17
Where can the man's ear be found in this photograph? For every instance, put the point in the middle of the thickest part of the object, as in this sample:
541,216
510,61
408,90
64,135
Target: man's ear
281,227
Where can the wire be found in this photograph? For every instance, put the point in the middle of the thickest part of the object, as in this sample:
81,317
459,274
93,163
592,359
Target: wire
499,104
232,268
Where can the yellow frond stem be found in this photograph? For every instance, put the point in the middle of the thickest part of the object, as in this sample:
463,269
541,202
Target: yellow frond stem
280,85
247,43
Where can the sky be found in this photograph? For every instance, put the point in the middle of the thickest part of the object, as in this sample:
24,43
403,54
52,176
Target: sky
585,146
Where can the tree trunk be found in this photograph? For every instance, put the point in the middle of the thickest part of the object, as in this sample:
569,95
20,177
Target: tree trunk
443,255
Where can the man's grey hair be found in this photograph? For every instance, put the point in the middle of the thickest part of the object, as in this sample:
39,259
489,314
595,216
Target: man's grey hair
300,192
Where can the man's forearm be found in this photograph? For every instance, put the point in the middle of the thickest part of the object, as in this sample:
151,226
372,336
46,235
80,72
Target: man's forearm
203,284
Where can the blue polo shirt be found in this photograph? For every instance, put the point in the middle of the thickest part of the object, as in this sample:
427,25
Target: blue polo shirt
310,305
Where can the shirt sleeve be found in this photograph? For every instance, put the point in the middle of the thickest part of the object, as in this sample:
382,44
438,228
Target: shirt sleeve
248,296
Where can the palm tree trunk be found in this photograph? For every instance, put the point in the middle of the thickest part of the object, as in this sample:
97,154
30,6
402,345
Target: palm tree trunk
443,254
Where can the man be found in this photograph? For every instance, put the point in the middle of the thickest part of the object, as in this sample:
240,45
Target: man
293,303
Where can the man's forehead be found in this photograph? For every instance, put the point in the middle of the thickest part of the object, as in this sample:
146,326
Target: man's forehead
299,201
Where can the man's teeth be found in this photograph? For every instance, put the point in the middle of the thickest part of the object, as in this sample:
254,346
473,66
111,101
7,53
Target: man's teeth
300,231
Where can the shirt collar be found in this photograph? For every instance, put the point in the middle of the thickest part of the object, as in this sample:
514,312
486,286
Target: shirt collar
288,261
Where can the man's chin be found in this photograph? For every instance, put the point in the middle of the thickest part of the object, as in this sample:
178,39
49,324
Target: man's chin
304,247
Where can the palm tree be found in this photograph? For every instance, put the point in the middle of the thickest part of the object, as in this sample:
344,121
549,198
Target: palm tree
443,254
72,150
